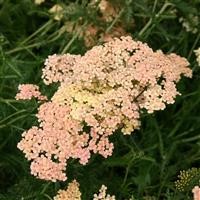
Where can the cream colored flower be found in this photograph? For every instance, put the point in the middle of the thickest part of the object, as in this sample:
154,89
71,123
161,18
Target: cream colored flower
103,195
38,2
190,24
57,11
197,53
72,192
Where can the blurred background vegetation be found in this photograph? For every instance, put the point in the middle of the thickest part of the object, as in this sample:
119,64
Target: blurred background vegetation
145,165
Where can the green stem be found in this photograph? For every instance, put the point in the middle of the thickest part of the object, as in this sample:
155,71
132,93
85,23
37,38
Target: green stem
151,19
183,118
190,139
47,196
73,38
114,21
23,48
117,18
193,46
154,5
36,32
12,115
161,146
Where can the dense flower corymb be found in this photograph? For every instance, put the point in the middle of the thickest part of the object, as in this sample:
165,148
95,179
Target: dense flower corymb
100,92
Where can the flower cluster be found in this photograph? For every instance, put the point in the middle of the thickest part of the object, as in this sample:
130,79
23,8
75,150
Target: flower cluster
187,179
196,193
71,193
100,92
29,91
103,195
197,53
58,138
57,11
191,23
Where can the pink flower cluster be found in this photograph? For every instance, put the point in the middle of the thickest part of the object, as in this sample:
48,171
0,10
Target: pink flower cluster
196,193
100,92
28,91
58,138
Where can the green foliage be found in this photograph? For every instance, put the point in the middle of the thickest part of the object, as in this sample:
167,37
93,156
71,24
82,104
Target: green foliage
144,165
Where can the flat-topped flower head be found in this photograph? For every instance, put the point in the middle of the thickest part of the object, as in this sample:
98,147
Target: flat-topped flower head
101,92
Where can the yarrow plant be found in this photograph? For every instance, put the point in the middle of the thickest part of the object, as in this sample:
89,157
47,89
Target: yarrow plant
101,92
